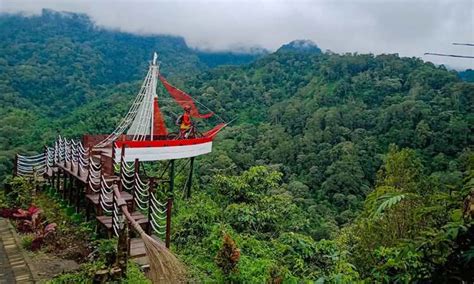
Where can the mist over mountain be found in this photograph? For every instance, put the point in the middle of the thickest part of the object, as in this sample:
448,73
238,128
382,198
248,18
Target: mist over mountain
338,168
304,46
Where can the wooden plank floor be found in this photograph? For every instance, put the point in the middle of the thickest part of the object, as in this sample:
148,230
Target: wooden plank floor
138,251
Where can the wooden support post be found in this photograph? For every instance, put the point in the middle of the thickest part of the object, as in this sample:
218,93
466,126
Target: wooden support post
122,154
71,188
15,167
169,206
58,181
189,181
78,167
64,184
123,248
79,196
46,173
71,163
136,167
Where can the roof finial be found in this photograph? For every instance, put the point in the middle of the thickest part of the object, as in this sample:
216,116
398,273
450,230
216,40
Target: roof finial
155,57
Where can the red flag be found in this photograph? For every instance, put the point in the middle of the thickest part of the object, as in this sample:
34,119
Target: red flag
159,127
183,99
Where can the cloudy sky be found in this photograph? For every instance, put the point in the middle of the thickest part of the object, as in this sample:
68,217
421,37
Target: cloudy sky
407,27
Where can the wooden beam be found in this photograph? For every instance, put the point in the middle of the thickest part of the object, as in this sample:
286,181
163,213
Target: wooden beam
169,206
15,167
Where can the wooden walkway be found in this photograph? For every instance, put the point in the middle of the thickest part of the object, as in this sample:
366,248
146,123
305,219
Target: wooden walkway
13,266
92,180
72,188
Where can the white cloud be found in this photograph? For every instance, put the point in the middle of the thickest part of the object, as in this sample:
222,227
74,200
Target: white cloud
409,28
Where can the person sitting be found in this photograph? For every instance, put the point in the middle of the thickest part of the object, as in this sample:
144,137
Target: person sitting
184,122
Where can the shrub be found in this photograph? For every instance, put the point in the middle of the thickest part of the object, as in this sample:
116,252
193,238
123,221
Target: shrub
21,193
27,240
228,256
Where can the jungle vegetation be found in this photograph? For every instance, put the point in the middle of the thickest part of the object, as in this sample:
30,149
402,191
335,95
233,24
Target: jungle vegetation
336,167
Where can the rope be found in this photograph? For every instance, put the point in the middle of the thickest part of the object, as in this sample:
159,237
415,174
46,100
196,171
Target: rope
137,197
91,186
144,208
155,200
130,188
140,182
103,207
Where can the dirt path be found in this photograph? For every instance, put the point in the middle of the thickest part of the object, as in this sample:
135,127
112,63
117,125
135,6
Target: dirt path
13,266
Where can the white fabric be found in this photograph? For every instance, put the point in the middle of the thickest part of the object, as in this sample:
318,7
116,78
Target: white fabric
163,153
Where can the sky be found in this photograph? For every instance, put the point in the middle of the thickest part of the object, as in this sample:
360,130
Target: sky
407,27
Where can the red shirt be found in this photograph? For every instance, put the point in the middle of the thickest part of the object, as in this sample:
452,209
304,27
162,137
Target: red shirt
186,121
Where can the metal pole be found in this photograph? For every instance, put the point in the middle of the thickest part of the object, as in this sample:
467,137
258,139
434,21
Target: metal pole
171,176
189,182
169,205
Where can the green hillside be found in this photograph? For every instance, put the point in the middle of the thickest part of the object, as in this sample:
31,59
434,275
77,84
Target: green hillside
56,62
326,149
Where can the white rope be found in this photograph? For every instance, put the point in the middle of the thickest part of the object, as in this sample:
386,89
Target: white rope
94,165
140,206
103,207
32,157
156,230
137,197
21,163
127,187
159,217
130,116
141,186
155,200
137,178
105,183
143,192
153,206
129,174
91,186
158,225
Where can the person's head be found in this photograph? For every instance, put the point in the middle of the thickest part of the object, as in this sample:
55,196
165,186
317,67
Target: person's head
187,108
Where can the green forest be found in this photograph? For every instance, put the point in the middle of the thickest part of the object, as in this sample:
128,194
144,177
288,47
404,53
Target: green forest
336,168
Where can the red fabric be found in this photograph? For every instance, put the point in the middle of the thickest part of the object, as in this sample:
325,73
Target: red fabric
162,143
208,137
159,127
211,133
183,99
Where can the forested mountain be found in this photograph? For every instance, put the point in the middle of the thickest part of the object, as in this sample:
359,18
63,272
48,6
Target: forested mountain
305,46
337,167
467,75
55,62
